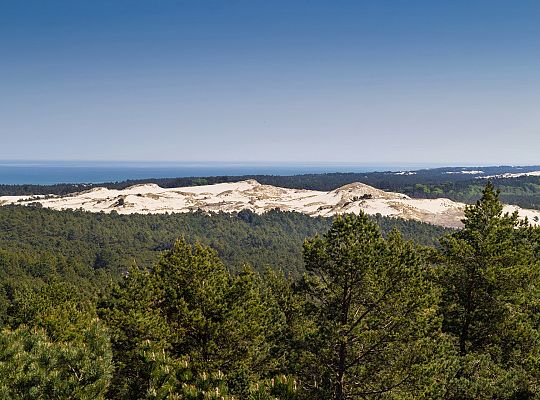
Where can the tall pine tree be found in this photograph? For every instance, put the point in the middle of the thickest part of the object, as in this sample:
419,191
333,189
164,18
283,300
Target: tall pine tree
376,312
189,307
491,288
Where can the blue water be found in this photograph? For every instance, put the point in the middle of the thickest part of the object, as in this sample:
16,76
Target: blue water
47,173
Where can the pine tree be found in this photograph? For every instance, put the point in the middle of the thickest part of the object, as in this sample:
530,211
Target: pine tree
56,347
189,306
290,324
135,324
32,366
376,312
490,281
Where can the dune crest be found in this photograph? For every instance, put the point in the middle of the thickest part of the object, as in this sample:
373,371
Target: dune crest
251,195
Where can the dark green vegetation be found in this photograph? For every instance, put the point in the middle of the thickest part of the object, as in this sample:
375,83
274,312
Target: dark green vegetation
523,191
373,316
74,244
426,183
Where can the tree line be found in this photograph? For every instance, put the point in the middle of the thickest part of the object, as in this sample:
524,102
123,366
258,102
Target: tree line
91,249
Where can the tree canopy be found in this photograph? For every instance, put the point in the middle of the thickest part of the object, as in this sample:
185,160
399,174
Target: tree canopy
103,307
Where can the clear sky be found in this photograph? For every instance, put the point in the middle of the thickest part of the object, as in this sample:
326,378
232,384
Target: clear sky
447,82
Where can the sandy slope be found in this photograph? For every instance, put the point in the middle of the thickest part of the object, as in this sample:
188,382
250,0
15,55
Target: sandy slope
251,195
510,175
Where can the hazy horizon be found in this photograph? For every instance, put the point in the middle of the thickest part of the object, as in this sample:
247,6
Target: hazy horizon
53,172
84,172
384,82
129,162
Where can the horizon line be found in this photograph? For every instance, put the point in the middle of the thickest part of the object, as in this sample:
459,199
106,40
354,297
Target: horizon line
274,162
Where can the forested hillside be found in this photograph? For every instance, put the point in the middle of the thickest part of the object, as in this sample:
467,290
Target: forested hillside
374,316
112,243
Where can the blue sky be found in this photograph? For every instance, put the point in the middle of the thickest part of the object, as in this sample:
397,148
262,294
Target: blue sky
446,82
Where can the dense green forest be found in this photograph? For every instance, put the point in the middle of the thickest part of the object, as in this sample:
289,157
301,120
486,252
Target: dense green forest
98,306
113,242
523,191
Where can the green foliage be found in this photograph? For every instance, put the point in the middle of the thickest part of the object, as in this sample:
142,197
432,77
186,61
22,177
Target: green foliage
291,326
135,323
33,366
176,379
375,310
56,347
60,308
93,247
189,305
375,316
82,246
522,191
490,280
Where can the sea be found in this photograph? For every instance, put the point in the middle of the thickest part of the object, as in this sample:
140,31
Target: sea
54,172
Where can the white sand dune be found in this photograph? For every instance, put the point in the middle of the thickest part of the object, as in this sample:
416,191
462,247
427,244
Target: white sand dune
251,195
466,172
511,175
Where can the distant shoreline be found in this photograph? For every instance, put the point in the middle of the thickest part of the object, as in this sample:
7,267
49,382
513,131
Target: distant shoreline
91,172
